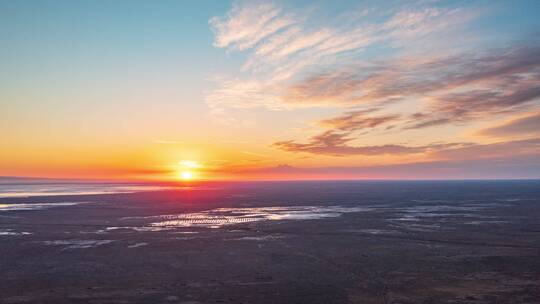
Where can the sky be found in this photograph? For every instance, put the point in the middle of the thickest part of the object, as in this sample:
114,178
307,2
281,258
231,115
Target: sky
249,90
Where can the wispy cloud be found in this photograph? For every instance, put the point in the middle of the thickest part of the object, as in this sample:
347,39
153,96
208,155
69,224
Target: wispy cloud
366,67
493,150
249,23
488,81
358,120
337,144
332,144
507,167
480,86
528,125
287,54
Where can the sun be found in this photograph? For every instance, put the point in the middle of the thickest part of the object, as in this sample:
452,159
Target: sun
186,175
187,169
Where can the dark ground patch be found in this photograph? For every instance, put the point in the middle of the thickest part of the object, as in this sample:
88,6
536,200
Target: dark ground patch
421,242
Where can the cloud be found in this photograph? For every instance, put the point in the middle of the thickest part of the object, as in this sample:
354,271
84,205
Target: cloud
289,52
457,89
509,167
510,159
337,144
293,62
246,25
502,90
410,67
523,126
498,79
357,120
492,150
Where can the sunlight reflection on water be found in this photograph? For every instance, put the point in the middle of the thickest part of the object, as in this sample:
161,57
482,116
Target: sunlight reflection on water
219,217
78,244
28,190
18,207
11,232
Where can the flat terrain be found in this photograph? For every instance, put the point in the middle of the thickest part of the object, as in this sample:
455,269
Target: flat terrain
317,242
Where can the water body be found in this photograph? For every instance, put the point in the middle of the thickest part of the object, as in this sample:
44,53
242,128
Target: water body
27,187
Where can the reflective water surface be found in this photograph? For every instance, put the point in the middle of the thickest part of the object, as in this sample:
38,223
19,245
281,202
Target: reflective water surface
219,217
18,207
78,244
18,188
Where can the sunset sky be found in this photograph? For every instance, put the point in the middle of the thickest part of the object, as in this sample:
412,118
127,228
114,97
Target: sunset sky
158,90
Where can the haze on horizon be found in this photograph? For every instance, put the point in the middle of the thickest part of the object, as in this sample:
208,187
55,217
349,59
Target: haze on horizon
270,90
